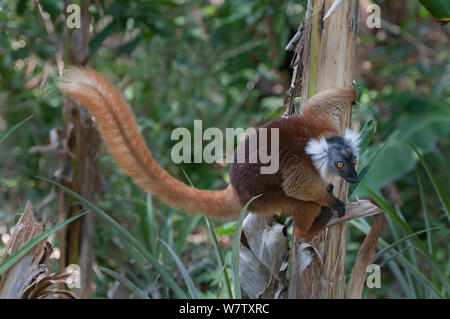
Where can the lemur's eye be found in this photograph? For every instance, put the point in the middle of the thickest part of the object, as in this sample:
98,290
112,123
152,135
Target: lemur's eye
354,160
340,164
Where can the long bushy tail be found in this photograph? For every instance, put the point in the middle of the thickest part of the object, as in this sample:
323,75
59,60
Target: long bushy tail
118,127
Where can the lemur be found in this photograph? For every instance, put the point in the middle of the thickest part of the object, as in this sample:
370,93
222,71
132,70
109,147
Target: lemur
310,152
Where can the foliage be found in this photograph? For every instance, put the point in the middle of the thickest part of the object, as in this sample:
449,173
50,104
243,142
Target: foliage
224,62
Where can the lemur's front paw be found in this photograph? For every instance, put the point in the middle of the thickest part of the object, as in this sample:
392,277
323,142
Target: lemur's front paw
330,188
325,215
339,207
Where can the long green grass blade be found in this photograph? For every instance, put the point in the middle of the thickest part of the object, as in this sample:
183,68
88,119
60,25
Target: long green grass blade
438,189
389,259
151,225
220,260
13,128
125,235
235,250
430,259
192,221
26,248
405,263
425,212
219,255
413,258
384,250
184,273
366,134
125,282
366,168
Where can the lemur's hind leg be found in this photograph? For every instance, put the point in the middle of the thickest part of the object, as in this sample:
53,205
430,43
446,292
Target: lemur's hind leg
320,221
309,217
305,214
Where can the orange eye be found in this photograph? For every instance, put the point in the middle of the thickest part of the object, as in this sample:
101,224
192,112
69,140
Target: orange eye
340,165
354,161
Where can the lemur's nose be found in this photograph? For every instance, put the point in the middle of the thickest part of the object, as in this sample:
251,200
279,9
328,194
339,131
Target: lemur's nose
352,180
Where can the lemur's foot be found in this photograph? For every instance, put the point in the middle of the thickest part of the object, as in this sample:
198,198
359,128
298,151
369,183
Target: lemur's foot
330,188
325,215
339,207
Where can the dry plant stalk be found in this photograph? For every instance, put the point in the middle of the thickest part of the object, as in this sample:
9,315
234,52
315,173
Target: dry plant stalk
325,59
28,277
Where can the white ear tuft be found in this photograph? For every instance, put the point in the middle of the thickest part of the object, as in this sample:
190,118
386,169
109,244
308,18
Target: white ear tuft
353,138
318,149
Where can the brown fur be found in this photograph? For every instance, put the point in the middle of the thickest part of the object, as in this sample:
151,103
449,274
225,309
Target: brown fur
297,188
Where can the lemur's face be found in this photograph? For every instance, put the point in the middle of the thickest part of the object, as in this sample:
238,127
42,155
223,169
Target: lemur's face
336,155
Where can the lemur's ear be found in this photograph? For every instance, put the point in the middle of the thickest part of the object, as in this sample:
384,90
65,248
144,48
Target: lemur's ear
318,150
353,138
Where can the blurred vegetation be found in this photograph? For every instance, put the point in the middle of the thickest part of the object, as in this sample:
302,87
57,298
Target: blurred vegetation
223,61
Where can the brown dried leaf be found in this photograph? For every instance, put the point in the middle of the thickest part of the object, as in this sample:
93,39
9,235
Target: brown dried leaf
365,254
28,277
355,210
261,259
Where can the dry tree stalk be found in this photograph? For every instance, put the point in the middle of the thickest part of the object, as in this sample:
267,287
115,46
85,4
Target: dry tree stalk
28,277
326,52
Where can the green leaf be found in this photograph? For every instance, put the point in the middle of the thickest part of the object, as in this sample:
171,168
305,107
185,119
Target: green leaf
13,128
366,136
129,47
125,282
26,248
227,229
220,260
235,250
430,259
403,261
191,222
366,168
219,255
151,225
439,8
122,232
425,212
184,273
384,250
105,33
397,158
438,189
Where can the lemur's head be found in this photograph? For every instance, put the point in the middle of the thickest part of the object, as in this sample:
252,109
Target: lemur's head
336,155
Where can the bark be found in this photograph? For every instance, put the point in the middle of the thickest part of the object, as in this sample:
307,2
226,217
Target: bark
326,56
79,164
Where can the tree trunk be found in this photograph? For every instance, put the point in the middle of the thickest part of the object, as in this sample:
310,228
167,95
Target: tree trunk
79,164
326,56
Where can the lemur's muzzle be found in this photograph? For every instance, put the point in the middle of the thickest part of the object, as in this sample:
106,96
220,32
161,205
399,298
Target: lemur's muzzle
350,175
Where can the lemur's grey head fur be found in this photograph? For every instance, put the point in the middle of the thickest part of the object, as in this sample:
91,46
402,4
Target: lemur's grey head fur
336,155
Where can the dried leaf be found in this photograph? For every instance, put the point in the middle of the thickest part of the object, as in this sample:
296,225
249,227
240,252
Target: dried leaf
27,278
365,254
17,277
354,210
262,265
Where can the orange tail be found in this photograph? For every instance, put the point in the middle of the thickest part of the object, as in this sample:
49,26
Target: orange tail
118,127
